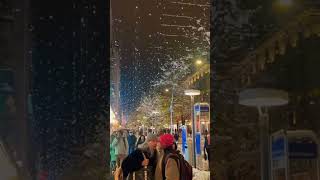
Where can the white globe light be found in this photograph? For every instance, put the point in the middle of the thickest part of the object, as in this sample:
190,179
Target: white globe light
192,92
263,97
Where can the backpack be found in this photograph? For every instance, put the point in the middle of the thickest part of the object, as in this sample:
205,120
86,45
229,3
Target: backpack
139,142
185,169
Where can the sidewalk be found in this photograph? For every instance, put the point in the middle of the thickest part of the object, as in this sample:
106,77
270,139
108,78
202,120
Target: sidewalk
200,175
188,155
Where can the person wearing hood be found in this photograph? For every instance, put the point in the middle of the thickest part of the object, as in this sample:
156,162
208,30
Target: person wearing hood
121,147
146,156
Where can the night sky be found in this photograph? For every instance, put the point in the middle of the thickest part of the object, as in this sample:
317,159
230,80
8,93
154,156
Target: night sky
149,31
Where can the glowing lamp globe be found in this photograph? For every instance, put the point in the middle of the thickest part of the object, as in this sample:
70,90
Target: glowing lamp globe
261,97
192,92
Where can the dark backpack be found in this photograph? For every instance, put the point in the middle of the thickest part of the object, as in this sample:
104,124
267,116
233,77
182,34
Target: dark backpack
185,169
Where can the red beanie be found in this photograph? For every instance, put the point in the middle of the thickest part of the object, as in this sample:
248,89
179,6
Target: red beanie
166,140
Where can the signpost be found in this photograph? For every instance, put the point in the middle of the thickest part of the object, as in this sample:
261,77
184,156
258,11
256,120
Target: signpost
294,153
202,115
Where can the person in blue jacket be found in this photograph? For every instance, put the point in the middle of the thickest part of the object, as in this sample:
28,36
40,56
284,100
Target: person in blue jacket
131,141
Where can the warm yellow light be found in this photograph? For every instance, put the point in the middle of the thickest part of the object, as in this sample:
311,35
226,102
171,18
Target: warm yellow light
199,62
167,90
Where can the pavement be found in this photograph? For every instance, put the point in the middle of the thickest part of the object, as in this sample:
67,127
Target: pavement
201,164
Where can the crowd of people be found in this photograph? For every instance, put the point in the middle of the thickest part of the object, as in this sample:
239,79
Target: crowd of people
145,157
136,156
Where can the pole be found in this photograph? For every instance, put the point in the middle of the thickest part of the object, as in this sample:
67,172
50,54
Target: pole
264,144
193,133
143,129
171,111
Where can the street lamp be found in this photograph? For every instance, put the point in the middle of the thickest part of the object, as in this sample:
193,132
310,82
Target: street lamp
192,93
262,99
199,62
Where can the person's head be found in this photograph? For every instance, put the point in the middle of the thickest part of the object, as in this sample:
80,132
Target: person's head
143,138
166,141
152,141
130,133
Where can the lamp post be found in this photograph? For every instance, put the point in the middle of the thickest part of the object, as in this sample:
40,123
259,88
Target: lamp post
171,109
144,117
155,114
262,99
192,93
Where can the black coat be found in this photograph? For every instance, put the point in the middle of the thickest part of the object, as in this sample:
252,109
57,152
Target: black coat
133,162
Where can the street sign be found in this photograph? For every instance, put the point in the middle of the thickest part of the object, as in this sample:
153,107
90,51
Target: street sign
184,138
198,143
202,107
278,148
278,153
303,150
294,151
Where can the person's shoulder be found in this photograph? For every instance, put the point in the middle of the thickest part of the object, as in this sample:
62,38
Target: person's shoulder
171,161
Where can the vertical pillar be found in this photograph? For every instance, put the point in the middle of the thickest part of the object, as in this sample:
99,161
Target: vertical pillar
264,145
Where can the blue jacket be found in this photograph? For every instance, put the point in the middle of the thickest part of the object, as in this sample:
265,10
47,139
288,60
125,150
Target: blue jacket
132,140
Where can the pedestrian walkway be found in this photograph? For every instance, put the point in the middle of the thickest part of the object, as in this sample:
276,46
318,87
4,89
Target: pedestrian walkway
188,155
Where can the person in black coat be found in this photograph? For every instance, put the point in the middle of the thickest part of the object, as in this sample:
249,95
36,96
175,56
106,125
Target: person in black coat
135,162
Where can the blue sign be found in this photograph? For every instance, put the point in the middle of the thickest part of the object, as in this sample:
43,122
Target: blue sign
201,108
278,150
303,150
198,143
184,138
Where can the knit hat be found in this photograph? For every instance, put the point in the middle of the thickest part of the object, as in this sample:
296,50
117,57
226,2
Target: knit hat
151,137
166,140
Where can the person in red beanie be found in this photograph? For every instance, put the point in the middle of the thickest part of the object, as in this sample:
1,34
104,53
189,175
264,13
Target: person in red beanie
171,167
